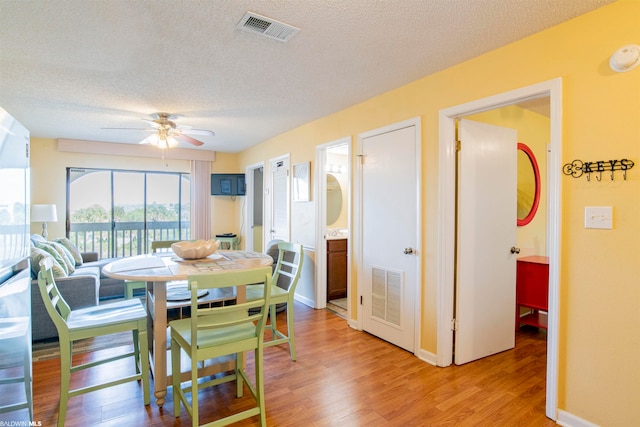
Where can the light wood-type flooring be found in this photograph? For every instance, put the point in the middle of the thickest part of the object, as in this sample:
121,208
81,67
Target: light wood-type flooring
342,378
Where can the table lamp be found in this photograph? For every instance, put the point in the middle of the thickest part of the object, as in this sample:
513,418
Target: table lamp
44,213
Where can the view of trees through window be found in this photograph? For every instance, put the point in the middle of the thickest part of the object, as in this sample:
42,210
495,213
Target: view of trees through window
119,213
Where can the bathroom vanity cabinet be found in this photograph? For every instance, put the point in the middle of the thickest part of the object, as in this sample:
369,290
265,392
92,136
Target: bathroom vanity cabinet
336,269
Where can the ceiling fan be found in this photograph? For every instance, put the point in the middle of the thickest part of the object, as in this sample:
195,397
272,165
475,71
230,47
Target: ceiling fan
166,133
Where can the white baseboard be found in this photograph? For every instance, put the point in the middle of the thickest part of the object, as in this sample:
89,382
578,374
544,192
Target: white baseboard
569,420
306,301
427,356
353,324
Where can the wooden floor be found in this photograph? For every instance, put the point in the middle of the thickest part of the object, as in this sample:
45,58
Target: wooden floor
342,378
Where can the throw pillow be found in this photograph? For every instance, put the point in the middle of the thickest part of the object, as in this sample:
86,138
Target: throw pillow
73,250
51,250
69,262
37,255
68,258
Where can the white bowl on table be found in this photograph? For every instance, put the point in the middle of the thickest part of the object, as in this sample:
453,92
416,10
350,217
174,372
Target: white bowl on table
196,249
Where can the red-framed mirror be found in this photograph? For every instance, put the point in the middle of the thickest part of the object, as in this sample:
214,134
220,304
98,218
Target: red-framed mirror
528,185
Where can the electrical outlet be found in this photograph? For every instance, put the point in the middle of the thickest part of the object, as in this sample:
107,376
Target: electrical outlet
598,217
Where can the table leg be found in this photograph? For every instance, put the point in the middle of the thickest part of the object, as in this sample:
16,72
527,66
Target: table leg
241,294
160,341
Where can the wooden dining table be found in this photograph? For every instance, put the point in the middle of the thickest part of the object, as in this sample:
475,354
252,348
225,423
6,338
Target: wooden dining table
160,271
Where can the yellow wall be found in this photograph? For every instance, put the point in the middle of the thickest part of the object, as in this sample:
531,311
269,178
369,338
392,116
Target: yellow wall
599,378
225,210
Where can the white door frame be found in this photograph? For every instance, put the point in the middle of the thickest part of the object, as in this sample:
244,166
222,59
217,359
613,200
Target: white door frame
321,222
249,205
447,217
358,250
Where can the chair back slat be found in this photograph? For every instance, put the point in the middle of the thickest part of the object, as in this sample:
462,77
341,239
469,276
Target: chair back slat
204,325
54,302
222,322
208,318
286,273
289,265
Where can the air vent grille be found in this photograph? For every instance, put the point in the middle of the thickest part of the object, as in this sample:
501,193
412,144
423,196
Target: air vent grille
267,27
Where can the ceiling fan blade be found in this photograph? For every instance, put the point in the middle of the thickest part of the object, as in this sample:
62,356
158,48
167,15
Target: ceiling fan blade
148,140
187,130
136,129
153,123
190,140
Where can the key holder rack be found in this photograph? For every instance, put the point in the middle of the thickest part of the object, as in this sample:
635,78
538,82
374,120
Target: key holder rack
577,168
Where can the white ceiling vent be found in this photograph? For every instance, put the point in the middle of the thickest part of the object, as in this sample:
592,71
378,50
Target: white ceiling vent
268,27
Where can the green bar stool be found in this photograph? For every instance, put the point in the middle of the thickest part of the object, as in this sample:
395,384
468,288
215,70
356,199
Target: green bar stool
230,243
106,319
214,332
283,289
130,286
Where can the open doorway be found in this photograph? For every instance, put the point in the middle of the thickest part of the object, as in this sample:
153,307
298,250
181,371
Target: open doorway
531,121
254,232
520,278
446,262
333,183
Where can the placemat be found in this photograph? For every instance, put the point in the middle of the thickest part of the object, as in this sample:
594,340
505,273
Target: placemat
136,263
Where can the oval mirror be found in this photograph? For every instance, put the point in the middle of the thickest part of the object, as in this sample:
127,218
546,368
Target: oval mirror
334,199
528,185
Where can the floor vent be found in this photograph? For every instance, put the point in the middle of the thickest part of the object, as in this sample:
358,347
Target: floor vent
267,27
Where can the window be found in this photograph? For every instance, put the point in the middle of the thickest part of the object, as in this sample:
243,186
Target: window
119,213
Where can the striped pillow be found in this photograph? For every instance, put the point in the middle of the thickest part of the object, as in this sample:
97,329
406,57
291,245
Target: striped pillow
56,251
73,250
38,255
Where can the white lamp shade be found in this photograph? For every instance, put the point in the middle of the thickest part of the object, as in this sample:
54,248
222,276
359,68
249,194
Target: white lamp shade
43,213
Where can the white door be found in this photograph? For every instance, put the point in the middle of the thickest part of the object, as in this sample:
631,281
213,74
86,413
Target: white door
486,230
279,197
390,183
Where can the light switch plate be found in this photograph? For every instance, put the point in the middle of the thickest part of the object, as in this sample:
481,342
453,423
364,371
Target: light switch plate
598,217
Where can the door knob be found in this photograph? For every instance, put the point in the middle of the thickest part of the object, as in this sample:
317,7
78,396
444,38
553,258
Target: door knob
515,250
408,251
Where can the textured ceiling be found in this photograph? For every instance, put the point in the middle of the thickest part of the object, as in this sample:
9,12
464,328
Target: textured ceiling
70,68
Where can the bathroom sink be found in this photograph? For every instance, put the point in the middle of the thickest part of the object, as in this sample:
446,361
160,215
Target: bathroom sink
336,234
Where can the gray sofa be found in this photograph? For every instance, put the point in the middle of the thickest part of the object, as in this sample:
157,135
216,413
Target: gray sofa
85,287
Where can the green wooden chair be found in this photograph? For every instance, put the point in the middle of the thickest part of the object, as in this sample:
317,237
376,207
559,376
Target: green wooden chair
213,332
73,325
156,246
283,288
162,245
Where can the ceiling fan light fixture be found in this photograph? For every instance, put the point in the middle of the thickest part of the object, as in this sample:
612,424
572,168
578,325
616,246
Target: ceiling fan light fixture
153,139
160,140
170,142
